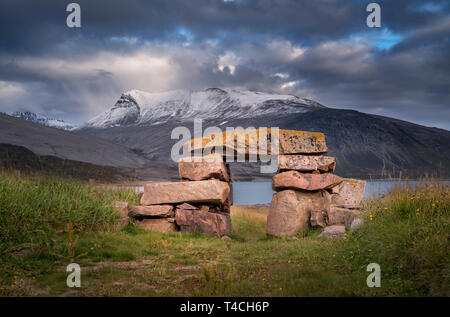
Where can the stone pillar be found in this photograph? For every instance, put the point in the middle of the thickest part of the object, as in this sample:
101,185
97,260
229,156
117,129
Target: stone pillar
203,216
308,193
200,202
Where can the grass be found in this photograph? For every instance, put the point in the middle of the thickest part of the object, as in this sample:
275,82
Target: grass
406,232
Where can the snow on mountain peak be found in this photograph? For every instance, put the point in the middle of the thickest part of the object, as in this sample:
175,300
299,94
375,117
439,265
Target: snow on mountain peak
43,120
137,107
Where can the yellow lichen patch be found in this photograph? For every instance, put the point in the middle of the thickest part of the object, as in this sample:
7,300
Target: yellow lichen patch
202,141
354,182
248,138
316,135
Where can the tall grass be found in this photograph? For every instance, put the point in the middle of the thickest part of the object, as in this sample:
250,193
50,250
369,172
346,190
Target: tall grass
36,208
250,222
407,233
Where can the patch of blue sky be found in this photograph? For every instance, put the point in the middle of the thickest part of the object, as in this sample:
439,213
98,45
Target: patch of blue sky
380,38
431,6
184,32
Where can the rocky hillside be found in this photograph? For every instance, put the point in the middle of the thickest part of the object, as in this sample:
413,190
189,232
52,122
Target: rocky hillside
44,140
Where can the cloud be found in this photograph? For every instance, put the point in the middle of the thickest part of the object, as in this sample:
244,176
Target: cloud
321,50
228,63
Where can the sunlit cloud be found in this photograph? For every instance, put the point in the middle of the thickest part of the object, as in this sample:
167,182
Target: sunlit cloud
228,62
289,84
281,75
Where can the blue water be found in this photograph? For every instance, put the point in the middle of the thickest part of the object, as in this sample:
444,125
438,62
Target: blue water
251,193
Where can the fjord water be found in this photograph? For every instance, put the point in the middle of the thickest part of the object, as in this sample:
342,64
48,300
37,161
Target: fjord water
251,193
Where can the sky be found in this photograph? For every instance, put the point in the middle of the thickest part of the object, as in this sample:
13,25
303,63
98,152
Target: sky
321,49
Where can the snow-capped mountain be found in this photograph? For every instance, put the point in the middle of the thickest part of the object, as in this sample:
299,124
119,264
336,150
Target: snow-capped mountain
142,108
364,145
136,133
43,120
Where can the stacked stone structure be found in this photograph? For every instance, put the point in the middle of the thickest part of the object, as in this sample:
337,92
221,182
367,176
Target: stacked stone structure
200,202
308,193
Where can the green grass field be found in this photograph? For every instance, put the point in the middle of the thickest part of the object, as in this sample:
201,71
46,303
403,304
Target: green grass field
46,223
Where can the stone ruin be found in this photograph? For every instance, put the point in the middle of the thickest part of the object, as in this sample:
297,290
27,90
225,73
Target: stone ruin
307,193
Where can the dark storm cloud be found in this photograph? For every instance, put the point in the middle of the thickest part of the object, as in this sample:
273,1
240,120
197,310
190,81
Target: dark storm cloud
37,24
317,49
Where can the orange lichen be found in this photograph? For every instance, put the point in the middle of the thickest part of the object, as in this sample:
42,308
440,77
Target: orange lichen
251,137
354,182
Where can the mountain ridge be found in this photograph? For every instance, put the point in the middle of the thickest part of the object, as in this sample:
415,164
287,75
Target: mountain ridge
137,107
43,120
137,135
364,145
